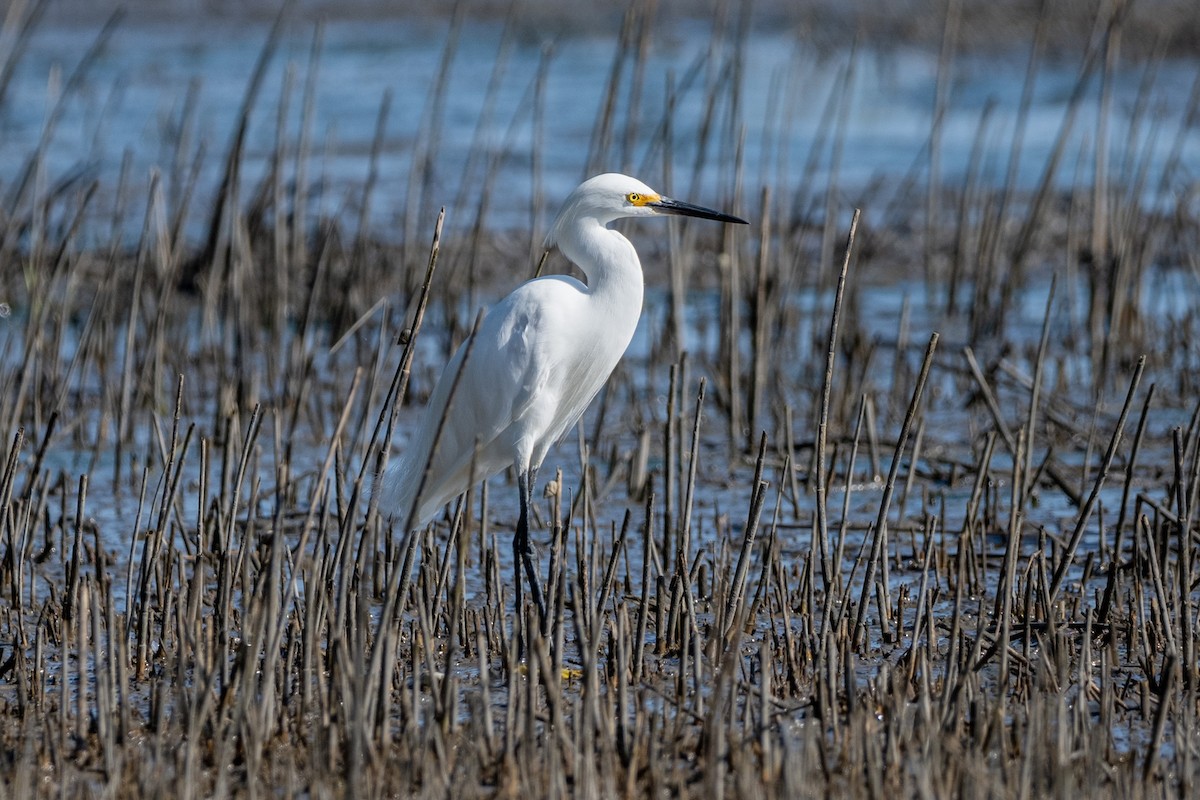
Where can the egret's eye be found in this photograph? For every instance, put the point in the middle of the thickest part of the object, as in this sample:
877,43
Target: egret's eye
634,198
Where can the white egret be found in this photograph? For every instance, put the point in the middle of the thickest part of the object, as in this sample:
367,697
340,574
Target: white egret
537,360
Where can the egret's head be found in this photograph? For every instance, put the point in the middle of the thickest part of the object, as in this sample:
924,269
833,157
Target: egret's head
612,196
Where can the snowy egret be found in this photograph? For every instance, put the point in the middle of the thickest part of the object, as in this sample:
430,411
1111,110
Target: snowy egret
535,363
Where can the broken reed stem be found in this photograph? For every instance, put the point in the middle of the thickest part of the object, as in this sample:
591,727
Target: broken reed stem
1085,513
684,540
879,533
733,609
822,494
1122,513
386,422
1034,394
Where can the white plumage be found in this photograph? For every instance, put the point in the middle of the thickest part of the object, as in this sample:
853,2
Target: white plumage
539,357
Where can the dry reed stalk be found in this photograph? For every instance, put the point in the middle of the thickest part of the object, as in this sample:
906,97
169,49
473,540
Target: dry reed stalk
1085,512
879,533
822,514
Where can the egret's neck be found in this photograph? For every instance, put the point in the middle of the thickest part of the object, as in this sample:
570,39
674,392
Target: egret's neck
608,260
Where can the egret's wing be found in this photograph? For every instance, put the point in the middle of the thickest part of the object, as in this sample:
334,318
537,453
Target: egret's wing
567,359
502,402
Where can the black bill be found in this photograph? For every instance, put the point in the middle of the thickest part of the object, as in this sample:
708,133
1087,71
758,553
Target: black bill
668,206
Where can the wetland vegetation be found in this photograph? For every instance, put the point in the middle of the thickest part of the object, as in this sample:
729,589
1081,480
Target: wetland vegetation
895,492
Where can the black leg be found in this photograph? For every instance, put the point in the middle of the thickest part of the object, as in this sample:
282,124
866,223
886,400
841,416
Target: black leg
522,552
518,552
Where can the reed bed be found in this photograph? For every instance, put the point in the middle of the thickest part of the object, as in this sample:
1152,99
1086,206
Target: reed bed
827,532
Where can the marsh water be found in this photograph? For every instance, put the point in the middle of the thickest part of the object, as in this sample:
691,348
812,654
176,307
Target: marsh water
438,112
157,91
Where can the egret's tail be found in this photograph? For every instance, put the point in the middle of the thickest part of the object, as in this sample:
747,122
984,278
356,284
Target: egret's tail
395,490
398,485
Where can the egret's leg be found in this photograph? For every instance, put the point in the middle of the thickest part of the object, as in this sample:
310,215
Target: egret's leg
522,551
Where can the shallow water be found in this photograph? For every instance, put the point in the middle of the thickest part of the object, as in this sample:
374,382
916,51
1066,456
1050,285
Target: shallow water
132,101
114,507
129,105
